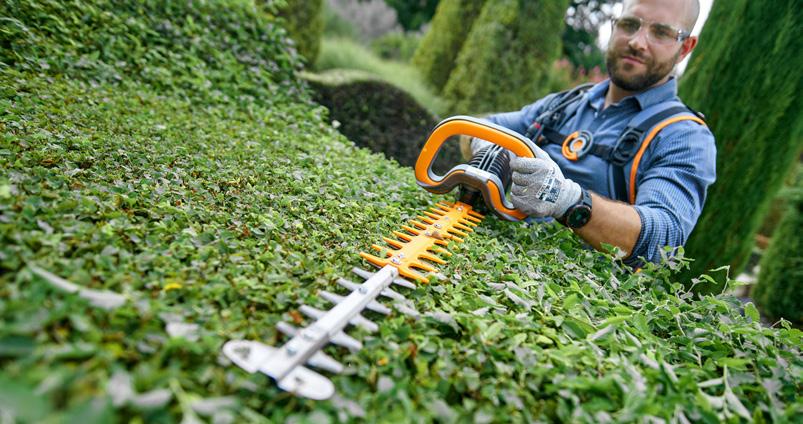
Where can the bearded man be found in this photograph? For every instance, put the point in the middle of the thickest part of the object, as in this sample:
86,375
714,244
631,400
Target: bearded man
635,166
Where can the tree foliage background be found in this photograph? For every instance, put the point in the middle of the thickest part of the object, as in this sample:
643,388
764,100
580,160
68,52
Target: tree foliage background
745,76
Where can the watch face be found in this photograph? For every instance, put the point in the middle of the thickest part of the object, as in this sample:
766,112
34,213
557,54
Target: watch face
579,216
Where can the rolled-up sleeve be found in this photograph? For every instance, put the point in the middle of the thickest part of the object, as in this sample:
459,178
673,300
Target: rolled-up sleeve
671,187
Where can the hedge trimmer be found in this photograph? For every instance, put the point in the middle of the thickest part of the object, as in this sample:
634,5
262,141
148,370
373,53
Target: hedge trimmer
416,249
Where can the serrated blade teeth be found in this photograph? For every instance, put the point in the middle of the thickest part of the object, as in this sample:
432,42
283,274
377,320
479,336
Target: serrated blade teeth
432,258
373,259
407,310
325,362
417,224
404,283
389,293
463,227
421,265
344,340
402,236
311,312
457,232
358,320
411,230
425,219
286,329
395,243
442,251
372,305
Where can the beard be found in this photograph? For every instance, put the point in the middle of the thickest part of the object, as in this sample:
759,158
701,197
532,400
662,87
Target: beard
655,71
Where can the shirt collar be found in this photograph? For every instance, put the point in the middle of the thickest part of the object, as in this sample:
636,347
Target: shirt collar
645,99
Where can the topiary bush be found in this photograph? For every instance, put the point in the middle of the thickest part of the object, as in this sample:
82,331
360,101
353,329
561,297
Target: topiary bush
305,23
186,216
438,50
377,115
504,63
780,279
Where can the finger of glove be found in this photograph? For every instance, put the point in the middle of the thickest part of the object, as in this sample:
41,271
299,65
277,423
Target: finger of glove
528,165
518,190
528,179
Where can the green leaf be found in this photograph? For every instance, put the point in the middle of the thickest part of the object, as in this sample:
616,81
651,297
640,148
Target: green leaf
751,311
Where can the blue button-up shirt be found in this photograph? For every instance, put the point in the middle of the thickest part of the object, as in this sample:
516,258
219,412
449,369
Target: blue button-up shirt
673,175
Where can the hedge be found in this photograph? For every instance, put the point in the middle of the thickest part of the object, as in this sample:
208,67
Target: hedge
438,50
780,278
743,77
504,62
379,116
195,213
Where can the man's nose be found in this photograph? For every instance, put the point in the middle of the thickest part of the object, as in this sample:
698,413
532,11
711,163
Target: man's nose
639,40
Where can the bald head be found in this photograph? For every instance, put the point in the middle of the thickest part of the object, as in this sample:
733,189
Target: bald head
685,11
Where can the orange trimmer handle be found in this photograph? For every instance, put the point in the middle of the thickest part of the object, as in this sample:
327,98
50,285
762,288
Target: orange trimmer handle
466,125
464,174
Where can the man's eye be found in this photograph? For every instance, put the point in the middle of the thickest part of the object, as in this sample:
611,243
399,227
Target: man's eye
663,32
629,25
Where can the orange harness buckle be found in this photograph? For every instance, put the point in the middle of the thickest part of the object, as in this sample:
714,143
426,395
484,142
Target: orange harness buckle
577,144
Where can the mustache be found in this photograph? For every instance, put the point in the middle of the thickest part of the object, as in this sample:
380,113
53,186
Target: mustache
631,52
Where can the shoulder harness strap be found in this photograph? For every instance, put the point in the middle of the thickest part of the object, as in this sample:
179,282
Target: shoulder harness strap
562,106
642,135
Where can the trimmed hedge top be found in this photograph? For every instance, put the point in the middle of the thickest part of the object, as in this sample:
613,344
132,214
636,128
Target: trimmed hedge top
199,219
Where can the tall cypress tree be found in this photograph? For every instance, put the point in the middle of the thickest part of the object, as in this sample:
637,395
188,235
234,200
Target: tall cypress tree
437,53
304,22
745,76
504,62
780,280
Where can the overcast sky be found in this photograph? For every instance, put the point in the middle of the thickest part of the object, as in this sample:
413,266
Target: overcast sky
705,7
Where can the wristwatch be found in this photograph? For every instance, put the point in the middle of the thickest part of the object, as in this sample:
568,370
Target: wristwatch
578,214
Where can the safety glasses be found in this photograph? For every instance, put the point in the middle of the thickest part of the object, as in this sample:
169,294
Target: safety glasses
657,33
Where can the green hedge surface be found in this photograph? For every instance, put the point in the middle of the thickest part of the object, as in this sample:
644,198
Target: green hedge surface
146,221
504,62
745,78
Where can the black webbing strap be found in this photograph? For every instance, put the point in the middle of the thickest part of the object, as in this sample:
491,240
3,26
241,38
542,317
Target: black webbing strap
629,143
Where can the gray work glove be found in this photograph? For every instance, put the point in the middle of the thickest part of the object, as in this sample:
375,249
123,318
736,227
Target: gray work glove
540,189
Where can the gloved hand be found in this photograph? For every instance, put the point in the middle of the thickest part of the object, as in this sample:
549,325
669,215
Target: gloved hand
540,189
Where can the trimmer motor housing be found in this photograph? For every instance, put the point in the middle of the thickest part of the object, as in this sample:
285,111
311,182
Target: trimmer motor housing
494,160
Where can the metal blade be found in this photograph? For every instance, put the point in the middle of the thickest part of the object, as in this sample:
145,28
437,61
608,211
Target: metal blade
373,305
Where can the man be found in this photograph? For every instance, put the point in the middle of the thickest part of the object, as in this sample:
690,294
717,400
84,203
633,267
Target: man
667,188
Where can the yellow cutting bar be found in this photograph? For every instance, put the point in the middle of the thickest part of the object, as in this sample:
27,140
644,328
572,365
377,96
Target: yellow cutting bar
415,249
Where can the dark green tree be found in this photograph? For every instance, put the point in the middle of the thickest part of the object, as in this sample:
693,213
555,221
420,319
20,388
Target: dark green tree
745,76
304,22
412,14
437,53
505,60
780,280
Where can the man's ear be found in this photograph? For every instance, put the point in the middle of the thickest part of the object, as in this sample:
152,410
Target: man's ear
687,46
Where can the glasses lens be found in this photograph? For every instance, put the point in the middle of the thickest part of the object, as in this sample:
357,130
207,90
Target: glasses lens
628,25
663,33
